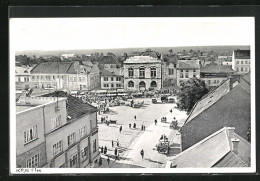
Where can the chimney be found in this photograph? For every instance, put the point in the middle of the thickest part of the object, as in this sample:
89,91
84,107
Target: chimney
235,143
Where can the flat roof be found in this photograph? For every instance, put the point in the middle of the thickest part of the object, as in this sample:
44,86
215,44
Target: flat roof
23,107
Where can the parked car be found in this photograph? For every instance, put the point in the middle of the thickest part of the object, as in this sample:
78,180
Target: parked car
154,101
171,100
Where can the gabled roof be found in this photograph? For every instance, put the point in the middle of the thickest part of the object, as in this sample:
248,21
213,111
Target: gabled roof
216,69
105,72
108,60
215,151
52,67
188,64
209,100
75,107
242,54
23,70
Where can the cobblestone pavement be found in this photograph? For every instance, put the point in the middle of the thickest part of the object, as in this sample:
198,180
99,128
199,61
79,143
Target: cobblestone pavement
131,141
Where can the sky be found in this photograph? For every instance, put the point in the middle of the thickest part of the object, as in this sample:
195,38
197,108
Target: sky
109,33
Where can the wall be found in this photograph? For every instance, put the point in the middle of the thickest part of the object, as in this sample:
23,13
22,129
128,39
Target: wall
40,149
114,82
24,121
148,79
190,75
63,133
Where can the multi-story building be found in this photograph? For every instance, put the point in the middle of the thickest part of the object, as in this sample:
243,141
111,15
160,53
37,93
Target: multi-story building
241,61
111,80
66,75
58,131
214,75
111,64
22,77
169,71
187,69
73,142
32,114
142,73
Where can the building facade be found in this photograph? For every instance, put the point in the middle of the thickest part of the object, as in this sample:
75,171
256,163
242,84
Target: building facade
22,77
65,75
214,75
241,61
31,116
169,72
64,135
187,69
111,80
142,73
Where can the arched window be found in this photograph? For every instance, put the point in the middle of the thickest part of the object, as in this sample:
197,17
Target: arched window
141,72
130,72
153,72
153,84
130,84
142,84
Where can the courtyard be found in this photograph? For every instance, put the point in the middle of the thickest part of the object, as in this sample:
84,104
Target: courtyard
133,140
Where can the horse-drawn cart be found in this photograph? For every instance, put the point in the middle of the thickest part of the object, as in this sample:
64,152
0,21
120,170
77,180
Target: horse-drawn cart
163,145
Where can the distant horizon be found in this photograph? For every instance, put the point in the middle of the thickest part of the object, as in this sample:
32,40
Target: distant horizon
95,49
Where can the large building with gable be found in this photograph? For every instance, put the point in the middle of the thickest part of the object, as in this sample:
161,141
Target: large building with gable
75,75
142,73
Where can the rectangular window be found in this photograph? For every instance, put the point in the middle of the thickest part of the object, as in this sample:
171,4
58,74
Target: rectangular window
112,78
71,79
106,85
94,146
56,122
30,134
71,139
237,62
112,85
33,162
73,161
245,62
75,79
245,69
118,78
105,78
33,77
215,81
187,74
181,74
41,77
171,71
84,153
57,148
83,132
242,69
80,79
242,62
237,69
84,78
118,85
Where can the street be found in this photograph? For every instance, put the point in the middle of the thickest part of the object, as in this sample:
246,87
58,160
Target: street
132,141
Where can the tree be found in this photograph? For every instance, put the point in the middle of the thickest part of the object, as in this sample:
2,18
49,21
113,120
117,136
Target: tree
191,91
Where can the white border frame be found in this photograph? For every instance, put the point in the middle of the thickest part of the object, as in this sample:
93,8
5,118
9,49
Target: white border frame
12,129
